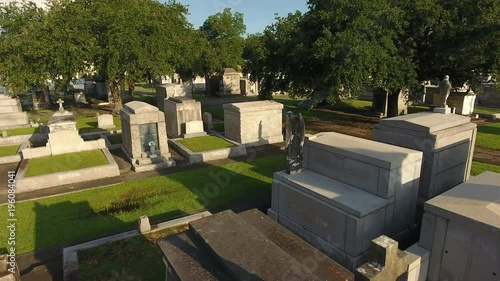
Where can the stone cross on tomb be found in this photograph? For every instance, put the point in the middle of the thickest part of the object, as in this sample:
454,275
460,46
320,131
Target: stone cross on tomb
60,102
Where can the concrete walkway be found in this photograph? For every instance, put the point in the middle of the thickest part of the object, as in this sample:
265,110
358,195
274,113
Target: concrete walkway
46,265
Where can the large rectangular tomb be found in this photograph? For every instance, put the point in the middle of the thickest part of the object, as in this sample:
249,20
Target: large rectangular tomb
447,141
350,191
254,123
461,229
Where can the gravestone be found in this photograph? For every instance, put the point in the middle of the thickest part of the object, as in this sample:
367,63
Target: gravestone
447,141
295,134
390,105
225,83
105,121
164,92
183,117
79,97
208,123
11,114
143,126
254,123
350,191
461,230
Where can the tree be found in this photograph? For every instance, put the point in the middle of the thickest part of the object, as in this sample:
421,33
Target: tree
23,47
135,37
224,32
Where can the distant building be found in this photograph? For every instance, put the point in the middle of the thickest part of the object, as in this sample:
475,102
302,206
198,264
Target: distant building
231,82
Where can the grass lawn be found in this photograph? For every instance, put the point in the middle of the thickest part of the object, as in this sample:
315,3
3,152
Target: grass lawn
23,131
144,89
478,168
104,211
488,136
115,138
65,162
486,110
205,143
217,112
86,124
8,150
138,257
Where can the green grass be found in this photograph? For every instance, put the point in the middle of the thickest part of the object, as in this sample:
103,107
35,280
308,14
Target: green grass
8,150
145,89
488,136
65,162
219,127
205,143
486,110
115,138
138,257
58,221
86,124
23,131
217,112
479,168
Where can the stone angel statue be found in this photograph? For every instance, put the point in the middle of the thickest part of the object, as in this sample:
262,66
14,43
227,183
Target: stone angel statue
295,134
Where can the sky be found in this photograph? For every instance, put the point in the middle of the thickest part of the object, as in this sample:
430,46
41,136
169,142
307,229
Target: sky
257,13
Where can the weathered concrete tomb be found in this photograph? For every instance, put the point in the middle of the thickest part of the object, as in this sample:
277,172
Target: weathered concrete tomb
246,246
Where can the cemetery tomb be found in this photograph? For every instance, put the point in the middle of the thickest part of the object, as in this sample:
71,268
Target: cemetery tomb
461,229
254,123
350,191
447,141
144,136
183,116
11,114
164,92
245,246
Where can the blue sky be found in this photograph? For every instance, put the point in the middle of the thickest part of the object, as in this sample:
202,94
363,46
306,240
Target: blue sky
257,13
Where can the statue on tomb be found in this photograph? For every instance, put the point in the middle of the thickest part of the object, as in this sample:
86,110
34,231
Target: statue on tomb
295,134
445,89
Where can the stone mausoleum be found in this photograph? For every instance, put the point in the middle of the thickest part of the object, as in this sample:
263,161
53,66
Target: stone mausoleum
11,115
144,136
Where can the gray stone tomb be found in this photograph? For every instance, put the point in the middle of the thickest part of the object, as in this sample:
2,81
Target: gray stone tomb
11,115
447,141
350,191
254,123
142,124
183,117
461,229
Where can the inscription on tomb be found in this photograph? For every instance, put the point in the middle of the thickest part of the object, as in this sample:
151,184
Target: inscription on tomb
148,132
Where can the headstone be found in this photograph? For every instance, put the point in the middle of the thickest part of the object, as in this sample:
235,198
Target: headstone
208,123
461,230
254,123
295,134
385,261
248,87
464,102
141,124
390,104
144,225
79,97
60,102
5,134
350,191
105,121
11,114
164,92
183,117
447,142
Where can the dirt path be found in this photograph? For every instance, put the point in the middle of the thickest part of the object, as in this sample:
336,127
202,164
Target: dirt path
364,130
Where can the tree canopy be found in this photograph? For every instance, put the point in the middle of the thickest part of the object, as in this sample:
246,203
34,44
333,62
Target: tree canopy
338,46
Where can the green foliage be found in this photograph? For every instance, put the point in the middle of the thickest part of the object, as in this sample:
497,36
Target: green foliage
205,143
115,138
65,162
224,33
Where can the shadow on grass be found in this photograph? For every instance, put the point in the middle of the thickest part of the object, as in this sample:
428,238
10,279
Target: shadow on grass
492,128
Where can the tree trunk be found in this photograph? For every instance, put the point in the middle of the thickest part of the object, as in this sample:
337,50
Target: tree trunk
131,89
117,97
